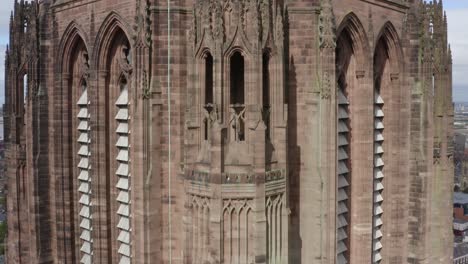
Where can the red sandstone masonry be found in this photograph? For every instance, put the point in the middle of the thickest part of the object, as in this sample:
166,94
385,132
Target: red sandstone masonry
41,137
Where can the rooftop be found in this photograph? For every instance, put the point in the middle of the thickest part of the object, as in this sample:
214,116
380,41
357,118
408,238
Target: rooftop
460,198
460,250
460,221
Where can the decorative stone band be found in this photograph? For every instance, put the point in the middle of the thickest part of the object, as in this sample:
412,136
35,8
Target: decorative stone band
236,178
275,175
199,176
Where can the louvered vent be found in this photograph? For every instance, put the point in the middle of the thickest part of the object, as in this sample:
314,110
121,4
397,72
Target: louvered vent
84,179
123,176
378,177
342,181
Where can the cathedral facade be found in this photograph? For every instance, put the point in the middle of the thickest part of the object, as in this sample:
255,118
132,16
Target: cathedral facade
229,131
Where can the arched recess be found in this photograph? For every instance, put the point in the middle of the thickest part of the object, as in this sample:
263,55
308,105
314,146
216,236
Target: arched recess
114,63
387,99
237,92
352,60
73,162
206,93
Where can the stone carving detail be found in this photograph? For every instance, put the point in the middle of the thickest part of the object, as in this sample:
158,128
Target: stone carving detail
436,153
327,26
275,175
275,205
199,207
222,21
218,28
142,25
238,231
124,62
198,176
279,29
326,84
237,122
85,67
146,94
235,178
266,18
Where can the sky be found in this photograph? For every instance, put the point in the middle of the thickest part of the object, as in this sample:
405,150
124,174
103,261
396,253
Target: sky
5,11
457,12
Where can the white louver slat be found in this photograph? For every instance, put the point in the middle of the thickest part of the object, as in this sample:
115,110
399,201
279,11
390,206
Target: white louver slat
123,173
85,224
378,176
84,178
86,259
342,177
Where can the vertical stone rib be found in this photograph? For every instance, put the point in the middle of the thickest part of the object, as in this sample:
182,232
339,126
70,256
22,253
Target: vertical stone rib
378,177
342,181
84,178
123,174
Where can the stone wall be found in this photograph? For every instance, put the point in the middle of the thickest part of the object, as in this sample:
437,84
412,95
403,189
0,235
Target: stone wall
193,166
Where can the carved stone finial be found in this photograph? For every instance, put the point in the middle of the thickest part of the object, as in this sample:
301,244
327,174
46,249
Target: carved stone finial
85,67
142,25
279,28
124,62
218,25
265,13
325,91
327,27
371,28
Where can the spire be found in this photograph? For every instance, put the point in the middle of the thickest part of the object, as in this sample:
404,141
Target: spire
445,28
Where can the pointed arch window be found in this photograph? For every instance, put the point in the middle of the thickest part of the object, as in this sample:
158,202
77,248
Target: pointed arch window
266,91
84,178
208,79
237,85
208,98
237,79
122,145
344,64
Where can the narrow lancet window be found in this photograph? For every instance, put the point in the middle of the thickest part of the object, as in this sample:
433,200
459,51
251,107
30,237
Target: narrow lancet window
237,118
344,64
123,172
208,94
209,79
84,178
237,79
266,92
381,82
266,80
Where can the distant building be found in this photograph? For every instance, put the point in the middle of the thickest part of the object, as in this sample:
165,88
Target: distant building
460,229
460,254
460,206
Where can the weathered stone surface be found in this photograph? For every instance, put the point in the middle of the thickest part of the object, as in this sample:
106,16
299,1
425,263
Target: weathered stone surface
254,131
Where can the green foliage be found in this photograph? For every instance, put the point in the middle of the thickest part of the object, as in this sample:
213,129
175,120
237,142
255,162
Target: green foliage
3,233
